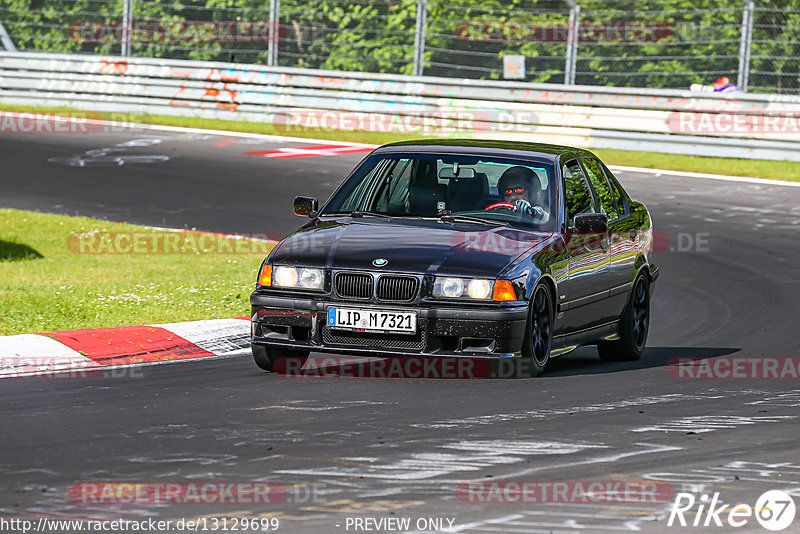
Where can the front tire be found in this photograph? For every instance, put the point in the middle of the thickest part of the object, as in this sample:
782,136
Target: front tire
538,334
265,357
634,326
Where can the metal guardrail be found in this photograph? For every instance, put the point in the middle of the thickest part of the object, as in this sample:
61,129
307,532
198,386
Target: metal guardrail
670,121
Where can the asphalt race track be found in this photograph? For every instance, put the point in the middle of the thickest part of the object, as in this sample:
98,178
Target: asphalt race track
361,448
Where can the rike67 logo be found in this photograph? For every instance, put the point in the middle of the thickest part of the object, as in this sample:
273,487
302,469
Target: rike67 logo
774,510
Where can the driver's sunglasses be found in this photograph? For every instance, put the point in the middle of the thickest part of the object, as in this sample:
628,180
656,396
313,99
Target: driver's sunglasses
515,190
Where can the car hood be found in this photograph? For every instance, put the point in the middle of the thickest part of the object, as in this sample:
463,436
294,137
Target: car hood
408,245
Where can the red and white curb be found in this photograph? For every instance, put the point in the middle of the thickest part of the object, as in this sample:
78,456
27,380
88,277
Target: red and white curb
92,349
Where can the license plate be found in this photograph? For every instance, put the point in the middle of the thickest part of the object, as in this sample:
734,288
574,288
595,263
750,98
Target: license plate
395,322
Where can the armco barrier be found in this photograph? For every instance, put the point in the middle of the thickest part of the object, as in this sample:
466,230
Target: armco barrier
670,121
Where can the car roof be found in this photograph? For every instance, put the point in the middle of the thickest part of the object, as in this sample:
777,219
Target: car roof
495,147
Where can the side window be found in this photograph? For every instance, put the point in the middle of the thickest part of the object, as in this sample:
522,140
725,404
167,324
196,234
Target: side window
394,183
608,203
619,198
577,194
356,196
399,190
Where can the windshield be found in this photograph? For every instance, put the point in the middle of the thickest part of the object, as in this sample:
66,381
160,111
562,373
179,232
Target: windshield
505,191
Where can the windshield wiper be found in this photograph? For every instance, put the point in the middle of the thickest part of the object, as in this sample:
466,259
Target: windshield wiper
359,213
467,219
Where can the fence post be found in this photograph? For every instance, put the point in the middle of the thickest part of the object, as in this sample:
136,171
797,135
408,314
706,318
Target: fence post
274,32
573,35
5,39
419,36
745,45
127,21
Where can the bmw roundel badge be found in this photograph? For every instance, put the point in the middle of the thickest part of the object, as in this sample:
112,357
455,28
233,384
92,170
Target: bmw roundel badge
380,262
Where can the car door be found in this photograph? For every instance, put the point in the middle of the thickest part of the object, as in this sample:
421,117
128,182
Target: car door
621,255
586,294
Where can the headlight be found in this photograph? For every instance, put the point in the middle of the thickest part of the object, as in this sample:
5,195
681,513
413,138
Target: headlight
452,287
311,278
284,276
479,289
301,277
473,288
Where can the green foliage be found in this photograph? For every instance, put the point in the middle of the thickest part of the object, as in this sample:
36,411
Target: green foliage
355,36
51,26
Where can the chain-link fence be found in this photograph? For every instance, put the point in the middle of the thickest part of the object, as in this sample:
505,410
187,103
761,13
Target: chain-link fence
623,43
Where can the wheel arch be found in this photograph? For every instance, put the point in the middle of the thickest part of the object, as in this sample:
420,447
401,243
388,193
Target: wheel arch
548,280
639,270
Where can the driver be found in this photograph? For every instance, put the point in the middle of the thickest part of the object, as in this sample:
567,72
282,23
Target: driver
520,186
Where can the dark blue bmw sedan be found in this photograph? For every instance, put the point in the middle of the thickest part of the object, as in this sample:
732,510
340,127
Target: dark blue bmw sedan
462,248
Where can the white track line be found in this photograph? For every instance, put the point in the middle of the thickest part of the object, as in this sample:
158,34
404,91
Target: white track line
706,176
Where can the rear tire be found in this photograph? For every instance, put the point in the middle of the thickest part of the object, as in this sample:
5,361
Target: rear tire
265,357
634,325
538,334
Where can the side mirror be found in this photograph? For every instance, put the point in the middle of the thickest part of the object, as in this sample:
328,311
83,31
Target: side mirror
306,206
591,223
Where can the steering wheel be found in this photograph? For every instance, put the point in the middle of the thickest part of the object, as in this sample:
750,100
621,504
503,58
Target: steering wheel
535,212
507,205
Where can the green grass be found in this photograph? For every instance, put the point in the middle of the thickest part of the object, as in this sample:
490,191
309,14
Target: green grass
46,285
777,170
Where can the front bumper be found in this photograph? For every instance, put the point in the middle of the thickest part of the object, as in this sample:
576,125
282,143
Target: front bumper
453,330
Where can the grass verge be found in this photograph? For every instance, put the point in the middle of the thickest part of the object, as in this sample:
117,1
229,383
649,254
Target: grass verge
776,170
56,274
755,168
